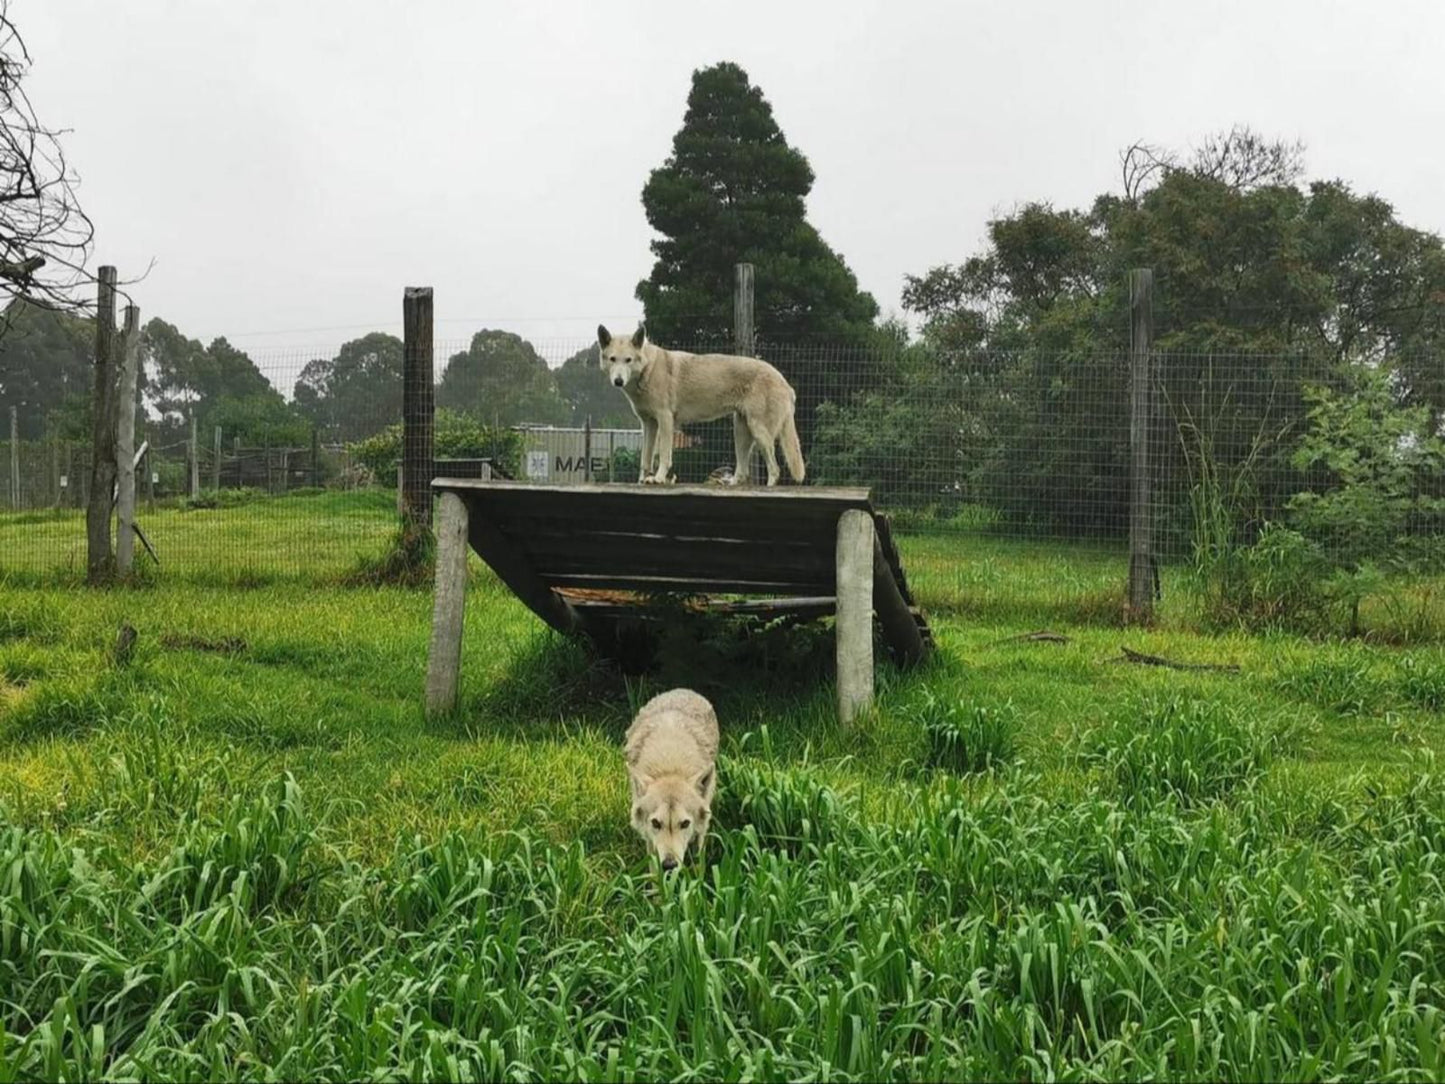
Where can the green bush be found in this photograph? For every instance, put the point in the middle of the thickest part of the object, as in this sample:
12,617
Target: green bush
454,436
1277,583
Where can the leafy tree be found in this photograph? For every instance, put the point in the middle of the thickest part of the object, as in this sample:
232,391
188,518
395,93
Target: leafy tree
357,392
501,377
218,384
1262,287
587,393
1378,511
184,373
733,191
45,368
258,420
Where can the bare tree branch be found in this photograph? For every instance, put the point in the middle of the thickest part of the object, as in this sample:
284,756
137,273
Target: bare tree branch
45,238
1141,164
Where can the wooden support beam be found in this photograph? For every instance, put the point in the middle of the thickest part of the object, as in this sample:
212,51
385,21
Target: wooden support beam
444,657
854,622
515,570
900,627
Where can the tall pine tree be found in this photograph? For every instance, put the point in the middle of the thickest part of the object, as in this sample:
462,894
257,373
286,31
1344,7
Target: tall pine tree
731,192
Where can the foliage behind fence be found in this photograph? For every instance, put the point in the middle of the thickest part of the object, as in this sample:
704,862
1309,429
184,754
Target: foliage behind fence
1019,443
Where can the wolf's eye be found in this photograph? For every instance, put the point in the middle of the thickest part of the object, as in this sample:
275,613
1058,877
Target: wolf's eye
656,825
612,357
685,824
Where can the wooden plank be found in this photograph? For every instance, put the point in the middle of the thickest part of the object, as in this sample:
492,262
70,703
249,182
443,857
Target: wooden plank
849,495
514,570
622,556
815,532
854,623
444,655
702,585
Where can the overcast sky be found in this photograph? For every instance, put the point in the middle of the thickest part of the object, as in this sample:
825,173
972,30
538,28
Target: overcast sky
291,165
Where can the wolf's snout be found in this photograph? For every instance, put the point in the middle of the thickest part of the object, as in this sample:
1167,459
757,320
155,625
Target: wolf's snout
669,864
617,380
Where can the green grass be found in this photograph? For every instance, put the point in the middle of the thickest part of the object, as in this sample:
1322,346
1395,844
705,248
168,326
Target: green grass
247,855
234,537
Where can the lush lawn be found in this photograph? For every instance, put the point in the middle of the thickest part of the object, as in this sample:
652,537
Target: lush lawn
310,536
246,854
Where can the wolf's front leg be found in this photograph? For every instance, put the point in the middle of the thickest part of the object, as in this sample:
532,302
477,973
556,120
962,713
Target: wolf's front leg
664,448
649,446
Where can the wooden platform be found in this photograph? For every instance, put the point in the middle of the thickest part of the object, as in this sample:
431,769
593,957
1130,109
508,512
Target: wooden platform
585,557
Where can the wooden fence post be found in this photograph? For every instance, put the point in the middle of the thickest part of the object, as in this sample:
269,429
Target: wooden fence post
444,657
99,560
315,457
193,450
853,623
216,466
125,441
417,404
743,344
15,458
1141,426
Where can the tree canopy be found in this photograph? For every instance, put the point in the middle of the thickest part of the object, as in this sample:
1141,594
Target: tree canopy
500,377
356,393
1265,287
45,369
731,191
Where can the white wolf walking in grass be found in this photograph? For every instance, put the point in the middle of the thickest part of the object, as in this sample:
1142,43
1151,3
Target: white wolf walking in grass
671,765
670,388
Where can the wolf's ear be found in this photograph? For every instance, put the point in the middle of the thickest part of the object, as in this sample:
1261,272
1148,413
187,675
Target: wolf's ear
604,337
703,781
639,784
639,336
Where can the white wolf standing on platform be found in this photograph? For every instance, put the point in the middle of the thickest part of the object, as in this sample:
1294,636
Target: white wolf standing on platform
670,388
671,761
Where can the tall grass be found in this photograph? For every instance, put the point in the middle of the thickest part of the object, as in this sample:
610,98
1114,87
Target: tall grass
1005,938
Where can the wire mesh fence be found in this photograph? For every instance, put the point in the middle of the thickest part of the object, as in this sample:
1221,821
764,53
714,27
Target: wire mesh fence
293,470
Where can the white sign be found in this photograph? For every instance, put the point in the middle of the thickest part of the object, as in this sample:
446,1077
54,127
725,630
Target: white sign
155,478
538,465
64,481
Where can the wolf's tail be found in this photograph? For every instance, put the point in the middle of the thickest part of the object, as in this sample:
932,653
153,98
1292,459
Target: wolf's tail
792,449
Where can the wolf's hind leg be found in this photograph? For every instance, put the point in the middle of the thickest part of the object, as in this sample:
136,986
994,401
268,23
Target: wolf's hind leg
743,448
765,442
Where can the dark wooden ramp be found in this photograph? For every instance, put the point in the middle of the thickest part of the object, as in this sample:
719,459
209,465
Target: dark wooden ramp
587,556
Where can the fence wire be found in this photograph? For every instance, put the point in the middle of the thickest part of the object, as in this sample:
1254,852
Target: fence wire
295,474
